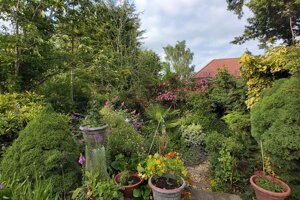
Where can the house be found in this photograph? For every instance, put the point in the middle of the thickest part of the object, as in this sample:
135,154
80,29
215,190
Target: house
211,69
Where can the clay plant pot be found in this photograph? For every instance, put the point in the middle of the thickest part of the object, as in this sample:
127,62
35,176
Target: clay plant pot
263,194
128,190
94,136
166,194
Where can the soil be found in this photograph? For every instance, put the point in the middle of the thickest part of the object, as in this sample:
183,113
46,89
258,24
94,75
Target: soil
165,183
131,181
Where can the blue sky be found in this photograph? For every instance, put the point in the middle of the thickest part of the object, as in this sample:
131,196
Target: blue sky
206,25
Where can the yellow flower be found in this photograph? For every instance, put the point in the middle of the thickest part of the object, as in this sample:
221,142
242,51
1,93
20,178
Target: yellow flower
157,162
89,193
150,156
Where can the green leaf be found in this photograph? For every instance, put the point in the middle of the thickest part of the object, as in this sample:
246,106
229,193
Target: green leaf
137,192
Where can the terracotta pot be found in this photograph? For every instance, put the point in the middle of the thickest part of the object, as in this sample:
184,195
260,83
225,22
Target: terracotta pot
164,194
128,190
94,136
263,194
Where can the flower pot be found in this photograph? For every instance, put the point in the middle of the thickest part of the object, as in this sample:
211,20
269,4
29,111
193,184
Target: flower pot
128,190
263,194
94,136
166,194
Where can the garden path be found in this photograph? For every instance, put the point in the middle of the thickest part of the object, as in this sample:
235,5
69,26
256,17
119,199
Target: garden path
201,188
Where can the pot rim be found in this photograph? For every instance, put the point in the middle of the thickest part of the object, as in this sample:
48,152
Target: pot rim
287,189
85,127
131,174
153,187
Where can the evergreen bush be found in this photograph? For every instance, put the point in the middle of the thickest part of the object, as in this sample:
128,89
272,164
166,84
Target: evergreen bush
123,138
275,121
45,147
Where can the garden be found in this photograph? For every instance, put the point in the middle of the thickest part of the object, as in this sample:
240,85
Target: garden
87,114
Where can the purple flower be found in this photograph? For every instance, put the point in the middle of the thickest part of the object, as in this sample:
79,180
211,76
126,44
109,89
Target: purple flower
81,159
107,103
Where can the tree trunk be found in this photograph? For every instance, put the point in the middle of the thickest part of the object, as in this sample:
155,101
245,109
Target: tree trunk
72,72
18,53
292,31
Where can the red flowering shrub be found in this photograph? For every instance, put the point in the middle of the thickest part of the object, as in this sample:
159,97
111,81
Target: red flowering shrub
174,90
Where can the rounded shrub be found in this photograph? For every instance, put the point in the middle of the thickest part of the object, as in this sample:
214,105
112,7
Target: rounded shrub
275,121
44,147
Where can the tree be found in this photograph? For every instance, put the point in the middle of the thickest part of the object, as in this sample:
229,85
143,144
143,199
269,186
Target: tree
26,51
180,59
273,20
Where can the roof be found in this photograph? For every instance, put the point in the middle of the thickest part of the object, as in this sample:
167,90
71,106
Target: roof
211,69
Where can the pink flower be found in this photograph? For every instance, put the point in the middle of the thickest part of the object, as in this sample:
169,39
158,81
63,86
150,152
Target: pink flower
133,112
122,104
107,103
81,159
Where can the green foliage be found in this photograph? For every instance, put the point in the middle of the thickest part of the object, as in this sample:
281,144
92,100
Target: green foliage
275,121
56,91
227,93
28,190
123,139
272,21
238,122
193,134
122,163
45,147
231,160
93,188
180,59
261,71
268,184
16,110
200,111
142,193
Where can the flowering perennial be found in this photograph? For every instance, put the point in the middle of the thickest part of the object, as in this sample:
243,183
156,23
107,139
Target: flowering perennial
162,165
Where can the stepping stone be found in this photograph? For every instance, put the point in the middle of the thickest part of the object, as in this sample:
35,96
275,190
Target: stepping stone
205,195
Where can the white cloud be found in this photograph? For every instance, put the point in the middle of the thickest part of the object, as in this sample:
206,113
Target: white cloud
206,25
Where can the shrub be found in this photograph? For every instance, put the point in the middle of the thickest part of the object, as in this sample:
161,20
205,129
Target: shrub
16,110
45,147
193,134
123,138
230,165
275,121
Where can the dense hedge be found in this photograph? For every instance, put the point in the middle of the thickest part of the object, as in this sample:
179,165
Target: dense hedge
44,147
275,121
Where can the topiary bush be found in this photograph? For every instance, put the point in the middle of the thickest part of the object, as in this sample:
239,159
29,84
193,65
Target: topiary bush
275,121
45,147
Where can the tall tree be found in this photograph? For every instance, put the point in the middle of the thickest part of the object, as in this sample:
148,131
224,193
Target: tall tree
26,51
180,59
273,20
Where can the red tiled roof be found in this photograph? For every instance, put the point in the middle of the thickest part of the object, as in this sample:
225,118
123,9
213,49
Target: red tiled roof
211,69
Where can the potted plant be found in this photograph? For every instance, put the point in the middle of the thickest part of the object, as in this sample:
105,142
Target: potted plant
129,181
166,175
93,127
266,185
